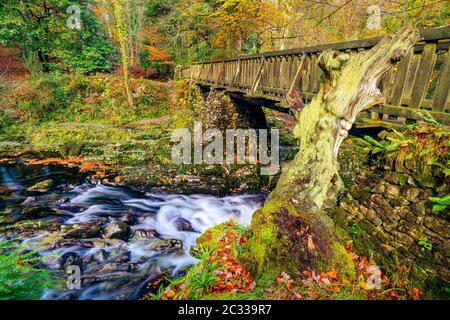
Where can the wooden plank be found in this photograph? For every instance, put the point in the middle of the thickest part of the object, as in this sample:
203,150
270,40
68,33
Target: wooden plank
401,78
236,74
442,92
298,76
411,113
257,78
305,77
412,73
422,81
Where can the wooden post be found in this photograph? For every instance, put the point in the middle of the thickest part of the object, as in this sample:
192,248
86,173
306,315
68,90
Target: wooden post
257,79
293,97
219,73
236,74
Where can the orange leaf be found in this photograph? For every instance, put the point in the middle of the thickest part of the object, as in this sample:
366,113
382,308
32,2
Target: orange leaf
290,286
332,275
416,294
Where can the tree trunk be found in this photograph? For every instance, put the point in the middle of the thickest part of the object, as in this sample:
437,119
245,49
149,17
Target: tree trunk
291,232
122,39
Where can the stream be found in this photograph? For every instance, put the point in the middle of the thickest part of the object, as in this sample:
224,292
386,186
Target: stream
120,238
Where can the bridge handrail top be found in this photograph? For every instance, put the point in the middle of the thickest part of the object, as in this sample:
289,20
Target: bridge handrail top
427,35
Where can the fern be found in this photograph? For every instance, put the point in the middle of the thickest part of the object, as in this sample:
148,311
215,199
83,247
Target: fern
440,204
375,146
20,279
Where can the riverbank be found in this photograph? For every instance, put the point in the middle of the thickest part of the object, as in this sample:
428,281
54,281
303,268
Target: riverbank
83,118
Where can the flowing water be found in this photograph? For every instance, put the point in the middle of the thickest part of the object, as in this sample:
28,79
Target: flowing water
68,227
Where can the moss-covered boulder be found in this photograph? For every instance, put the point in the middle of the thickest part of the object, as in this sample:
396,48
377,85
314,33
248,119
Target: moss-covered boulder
283,239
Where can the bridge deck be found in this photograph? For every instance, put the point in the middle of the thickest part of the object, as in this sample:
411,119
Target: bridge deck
420,81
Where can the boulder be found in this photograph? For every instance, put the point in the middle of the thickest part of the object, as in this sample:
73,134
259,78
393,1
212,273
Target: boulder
41,187
165,246
412,195
183,225
128,218
142,234
80,231
392,191
117,230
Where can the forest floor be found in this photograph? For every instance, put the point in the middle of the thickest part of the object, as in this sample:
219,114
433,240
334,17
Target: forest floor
11,67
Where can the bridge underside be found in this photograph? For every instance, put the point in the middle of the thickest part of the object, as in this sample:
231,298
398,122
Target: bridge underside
243,97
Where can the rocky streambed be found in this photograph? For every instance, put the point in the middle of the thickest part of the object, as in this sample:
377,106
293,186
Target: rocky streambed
120,238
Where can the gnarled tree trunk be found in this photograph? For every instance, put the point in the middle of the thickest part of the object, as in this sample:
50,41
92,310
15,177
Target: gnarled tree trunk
291,232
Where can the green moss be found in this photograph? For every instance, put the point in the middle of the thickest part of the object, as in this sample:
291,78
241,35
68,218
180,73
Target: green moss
71,139
261,250
210,238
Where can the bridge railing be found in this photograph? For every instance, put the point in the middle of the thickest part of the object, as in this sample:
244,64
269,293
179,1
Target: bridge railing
420,81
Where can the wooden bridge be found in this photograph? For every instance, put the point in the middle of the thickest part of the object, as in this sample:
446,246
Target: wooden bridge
420,81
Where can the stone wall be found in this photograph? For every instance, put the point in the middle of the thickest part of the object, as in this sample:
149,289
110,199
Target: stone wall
389,214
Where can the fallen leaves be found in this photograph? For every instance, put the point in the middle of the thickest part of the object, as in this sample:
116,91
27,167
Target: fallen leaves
232,276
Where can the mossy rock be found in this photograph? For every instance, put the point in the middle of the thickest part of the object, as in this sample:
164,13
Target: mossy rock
283,239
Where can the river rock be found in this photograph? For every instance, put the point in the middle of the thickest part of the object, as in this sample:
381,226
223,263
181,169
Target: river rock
80,231
28,201
128,219
35,212
165,246
183,225
102,243
41,187
117,230
100,256
70,259
142,234
438,225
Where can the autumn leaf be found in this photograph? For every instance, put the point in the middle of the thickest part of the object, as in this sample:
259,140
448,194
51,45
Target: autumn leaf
416,294
170,294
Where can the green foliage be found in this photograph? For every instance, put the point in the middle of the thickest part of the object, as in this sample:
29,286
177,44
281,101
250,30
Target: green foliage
198,280
424,244
20,278
40,29
422,148
354,231
440,203
375,146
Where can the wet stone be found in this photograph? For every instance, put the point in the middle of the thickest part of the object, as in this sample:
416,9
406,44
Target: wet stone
41,187
142,234
80,231
117,230
404,239
412,195
183,225
164,246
